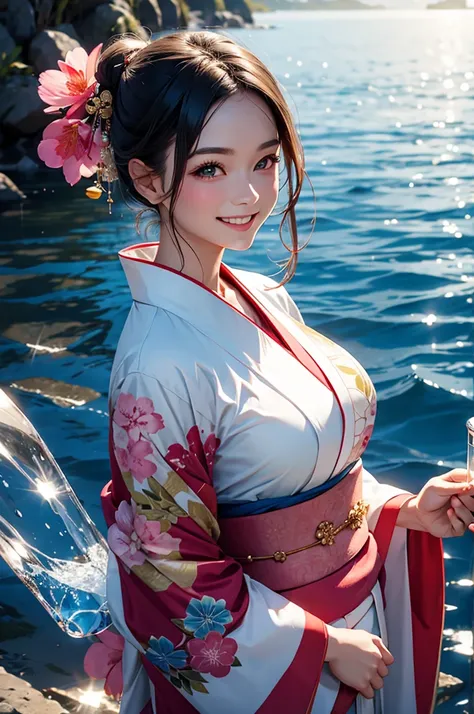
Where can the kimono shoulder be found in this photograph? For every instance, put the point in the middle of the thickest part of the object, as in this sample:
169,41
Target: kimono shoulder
260,284
186,337
165,348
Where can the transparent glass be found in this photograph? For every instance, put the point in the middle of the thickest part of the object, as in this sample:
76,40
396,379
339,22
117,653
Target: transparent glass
46,536
470,448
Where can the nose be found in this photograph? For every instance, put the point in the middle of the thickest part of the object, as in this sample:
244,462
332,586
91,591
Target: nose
244,193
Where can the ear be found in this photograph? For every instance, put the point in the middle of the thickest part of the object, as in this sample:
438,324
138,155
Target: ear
145,181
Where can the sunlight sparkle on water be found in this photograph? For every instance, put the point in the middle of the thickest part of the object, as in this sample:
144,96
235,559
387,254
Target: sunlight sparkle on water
92,698
429,319
463,639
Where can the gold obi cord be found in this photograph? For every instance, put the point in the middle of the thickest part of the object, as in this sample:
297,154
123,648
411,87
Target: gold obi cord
325,534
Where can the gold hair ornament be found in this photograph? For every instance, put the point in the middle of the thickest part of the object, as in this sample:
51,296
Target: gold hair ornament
100,108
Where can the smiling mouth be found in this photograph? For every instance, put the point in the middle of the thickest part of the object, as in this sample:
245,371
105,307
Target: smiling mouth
238,221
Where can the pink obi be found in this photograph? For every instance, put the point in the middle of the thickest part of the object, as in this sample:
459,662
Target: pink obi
301,544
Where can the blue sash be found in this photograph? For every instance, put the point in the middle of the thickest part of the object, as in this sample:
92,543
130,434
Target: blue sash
264,505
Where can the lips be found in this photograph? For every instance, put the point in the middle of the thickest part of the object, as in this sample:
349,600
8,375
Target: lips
237,220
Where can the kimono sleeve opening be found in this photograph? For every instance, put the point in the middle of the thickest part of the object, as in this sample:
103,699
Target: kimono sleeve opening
208,633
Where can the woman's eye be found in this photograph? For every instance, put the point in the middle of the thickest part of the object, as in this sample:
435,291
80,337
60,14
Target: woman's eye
267,162
262,164
211,169
207,171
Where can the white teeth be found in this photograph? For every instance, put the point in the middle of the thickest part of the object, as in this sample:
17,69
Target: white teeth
237,221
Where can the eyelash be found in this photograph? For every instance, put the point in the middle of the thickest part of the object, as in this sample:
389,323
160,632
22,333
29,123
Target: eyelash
273,158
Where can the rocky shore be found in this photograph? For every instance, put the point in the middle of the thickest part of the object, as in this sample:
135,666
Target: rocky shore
18,697
35,34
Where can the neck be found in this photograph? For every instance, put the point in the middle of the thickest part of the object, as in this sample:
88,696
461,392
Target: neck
202,260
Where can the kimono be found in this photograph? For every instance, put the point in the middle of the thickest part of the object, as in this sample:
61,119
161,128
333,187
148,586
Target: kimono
210,413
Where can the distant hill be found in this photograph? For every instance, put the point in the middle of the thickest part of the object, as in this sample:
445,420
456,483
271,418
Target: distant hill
449,5
320,5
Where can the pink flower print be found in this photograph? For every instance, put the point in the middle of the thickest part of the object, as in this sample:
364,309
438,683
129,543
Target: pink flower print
365,436
122,538
214,655
132,537
120,436
103,660
152,539
210,447
198,460
133,459
136,416
73,84
70,143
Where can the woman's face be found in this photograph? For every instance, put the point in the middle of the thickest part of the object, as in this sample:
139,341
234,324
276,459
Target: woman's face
231,174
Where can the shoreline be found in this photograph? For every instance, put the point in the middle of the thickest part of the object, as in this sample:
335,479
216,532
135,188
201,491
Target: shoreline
18,696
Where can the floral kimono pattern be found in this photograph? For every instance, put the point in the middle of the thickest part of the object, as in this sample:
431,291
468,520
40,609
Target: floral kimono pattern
207,408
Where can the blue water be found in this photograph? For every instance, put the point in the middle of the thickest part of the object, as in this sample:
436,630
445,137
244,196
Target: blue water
385,109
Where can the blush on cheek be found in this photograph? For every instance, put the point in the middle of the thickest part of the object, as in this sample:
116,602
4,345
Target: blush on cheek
199,192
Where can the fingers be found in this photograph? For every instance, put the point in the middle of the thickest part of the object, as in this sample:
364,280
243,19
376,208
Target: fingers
450,488
382,669
467,500
376,682
463,513
456,475
387,656
456,523
367,692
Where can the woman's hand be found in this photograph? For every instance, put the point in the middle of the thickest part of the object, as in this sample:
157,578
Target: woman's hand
358,658
440,507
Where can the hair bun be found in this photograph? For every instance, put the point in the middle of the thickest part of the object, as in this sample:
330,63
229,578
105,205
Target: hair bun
112,60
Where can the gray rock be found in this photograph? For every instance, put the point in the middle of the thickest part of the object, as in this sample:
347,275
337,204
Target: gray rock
48,47
149,14
22,698
170,14
6,708
125,5
104,22
207,9
224,18
240,7
21,20
68,30
21,109
7,43
448,686
43,9
77,9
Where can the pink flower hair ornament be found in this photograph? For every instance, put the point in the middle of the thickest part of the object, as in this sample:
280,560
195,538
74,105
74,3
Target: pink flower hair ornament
79,142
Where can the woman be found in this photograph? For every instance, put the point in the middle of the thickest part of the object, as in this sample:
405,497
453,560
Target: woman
255,565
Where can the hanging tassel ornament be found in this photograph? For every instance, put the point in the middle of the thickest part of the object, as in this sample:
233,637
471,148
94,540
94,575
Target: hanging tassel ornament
100,107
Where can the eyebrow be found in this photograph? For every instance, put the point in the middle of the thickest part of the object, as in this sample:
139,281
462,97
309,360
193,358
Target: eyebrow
231,152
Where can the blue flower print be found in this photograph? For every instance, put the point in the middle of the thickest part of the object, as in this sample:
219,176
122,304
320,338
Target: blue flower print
206,615
163,654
